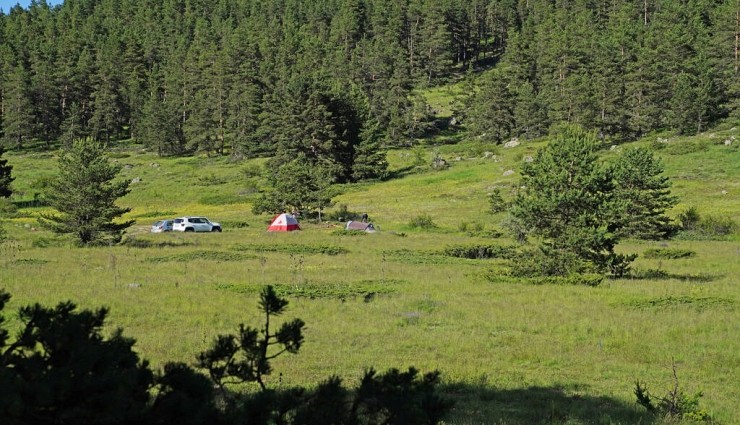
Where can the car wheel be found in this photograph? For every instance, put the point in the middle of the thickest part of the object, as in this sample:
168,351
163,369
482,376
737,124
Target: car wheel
216,229
189,229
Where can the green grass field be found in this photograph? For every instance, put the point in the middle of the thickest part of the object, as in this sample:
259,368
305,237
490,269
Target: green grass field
510,352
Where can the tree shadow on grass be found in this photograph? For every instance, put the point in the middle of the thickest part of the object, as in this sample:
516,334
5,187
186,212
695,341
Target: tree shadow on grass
401,172
540,405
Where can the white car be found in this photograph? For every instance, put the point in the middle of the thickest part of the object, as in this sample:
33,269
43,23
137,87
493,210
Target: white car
195,224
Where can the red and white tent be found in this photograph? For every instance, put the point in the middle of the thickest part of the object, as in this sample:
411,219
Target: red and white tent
283,223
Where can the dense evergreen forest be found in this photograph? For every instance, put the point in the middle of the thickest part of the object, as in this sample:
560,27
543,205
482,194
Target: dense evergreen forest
334,81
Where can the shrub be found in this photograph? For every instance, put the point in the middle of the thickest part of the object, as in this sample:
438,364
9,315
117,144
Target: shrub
713,225
294,249
674,405
496,202
419,156
480,251
201,256
251,170
423,221
695,226
44,242
118,155
6,207
133,242
343,232
668,253
689,219
211,180
578,279
537,263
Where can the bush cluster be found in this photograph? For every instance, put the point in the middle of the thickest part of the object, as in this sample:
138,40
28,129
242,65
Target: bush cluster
422,221
695,226
668,253
477,252
675,405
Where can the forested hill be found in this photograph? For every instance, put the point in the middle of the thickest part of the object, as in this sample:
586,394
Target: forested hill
334,80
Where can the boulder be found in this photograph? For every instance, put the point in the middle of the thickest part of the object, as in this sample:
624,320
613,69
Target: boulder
512,143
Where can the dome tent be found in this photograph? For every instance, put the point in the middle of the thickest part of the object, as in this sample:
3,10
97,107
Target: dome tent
283,223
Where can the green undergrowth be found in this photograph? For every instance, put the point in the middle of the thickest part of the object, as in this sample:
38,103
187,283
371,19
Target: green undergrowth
365,289
410,256
478,252
293,249
668,253
698,303
342,232
202,256
148,243
29,262
660,274
583,279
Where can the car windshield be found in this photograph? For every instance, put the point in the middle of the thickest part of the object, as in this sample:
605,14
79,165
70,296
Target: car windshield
158,223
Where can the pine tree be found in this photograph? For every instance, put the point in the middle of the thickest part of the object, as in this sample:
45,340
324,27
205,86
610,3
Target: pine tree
724,51
84,194
246,357
607,70
298,185
17,113
45,97
369,157
107,103
207,83
5,176
244,99
72,127
530,112
645,195
158,125
491,114
566,200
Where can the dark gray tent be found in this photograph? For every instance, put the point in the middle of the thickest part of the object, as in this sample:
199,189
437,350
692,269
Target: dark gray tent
358,225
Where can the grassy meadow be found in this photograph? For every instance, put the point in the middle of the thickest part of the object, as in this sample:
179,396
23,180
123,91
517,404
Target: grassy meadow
510,352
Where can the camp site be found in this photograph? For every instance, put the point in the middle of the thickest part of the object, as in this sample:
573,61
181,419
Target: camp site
369,212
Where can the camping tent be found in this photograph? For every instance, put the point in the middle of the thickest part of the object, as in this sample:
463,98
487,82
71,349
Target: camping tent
283,223
359,225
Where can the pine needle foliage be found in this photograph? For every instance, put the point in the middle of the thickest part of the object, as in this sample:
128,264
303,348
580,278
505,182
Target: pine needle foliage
85,194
